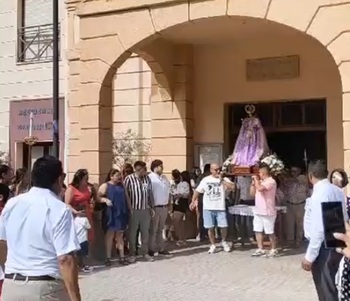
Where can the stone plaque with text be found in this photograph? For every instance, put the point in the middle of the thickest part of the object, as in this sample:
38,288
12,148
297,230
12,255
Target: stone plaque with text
283,67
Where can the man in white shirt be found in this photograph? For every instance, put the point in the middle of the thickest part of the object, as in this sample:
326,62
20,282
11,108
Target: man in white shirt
38,230
160,193
214,187
322,262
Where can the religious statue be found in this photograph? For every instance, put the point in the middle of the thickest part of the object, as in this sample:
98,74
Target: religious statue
251,143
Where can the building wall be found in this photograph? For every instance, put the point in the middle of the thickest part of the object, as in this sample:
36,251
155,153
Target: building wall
20,81
108,23
132,98
220,78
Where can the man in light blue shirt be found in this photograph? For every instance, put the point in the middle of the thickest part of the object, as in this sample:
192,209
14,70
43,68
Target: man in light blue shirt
322,262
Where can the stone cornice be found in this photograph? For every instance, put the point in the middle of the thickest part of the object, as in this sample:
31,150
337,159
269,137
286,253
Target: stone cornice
109,6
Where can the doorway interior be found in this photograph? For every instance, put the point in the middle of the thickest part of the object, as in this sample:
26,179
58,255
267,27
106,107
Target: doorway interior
295,130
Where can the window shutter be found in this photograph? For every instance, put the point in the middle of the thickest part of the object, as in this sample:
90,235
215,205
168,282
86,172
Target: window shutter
37,12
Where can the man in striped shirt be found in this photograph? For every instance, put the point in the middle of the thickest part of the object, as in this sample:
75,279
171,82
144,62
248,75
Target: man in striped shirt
139,190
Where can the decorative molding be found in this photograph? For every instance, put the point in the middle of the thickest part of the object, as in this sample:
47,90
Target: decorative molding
88,8
275,68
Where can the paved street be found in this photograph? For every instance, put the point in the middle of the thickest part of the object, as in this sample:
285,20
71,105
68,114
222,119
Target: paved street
192,274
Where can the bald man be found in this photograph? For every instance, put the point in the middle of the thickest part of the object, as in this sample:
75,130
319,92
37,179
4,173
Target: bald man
214,189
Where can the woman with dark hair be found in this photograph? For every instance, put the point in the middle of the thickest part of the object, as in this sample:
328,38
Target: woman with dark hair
116,217
80,194
6,174
195,175
127,169
180,193
21,181
339,178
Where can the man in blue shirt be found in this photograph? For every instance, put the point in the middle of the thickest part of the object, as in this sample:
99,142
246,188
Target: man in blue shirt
322,262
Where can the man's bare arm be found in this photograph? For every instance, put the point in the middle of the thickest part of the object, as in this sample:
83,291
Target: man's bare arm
252,189
228,185
258,186
194,203
69,271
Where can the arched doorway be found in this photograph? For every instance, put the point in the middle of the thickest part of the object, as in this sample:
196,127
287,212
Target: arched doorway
202,49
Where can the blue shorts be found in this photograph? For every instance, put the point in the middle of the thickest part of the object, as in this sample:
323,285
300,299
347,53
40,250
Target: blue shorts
84,249
214,218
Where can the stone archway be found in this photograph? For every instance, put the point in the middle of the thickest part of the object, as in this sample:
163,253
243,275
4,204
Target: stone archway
125,28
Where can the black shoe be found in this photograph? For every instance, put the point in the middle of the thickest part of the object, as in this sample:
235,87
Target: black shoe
151,253
123,261
163,252
108,262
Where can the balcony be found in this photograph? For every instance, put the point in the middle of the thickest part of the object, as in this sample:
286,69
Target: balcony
35,44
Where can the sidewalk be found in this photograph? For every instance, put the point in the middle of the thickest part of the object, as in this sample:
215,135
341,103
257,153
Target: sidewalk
192,274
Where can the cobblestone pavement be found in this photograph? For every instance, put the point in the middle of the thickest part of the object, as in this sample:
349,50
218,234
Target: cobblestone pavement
192,274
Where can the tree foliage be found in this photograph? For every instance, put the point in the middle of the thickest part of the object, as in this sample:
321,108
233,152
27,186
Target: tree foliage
129,147
4,158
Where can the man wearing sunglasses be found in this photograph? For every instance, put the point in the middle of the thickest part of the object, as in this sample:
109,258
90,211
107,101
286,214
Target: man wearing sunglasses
214,187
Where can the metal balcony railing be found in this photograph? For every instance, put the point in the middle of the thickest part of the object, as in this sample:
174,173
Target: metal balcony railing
35,44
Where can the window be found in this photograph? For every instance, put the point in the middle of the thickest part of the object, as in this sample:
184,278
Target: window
315,113
291,114
35,34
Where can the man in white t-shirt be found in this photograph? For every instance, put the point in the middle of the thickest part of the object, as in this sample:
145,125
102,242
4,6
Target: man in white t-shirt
214,208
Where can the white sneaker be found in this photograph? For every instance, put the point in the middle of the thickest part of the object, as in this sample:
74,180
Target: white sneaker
226,246
212,249
148,258
87,269
259,253
273,253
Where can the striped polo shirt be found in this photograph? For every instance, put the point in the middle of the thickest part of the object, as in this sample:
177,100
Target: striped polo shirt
138,189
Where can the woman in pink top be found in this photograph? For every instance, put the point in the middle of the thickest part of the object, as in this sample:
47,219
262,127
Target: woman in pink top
264,189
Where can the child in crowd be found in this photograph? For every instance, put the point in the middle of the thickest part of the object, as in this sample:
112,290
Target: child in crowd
4,196
82,226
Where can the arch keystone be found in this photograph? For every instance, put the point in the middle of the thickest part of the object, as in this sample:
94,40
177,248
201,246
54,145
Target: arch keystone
248,8
207,9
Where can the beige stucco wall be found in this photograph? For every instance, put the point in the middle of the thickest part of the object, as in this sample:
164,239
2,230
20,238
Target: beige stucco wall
220,78
132,99
107,23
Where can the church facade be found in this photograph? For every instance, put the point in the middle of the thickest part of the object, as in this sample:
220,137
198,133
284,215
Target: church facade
175,72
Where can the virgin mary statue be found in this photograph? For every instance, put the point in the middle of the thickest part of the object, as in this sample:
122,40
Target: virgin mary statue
251,143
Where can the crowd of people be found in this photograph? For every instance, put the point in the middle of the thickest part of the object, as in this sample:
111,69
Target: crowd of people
45,225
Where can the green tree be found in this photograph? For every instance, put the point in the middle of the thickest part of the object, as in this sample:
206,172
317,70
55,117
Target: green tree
4,158
129,147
